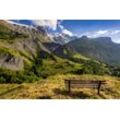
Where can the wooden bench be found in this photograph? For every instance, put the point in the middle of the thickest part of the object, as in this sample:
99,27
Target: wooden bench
95,84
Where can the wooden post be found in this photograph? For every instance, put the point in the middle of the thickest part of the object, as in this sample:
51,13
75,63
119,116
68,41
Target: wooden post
99,85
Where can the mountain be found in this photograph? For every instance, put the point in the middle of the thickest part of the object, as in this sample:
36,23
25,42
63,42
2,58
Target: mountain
101,48
20,44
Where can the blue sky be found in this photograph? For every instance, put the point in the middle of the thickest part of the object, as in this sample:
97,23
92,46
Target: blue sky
91,28
79,26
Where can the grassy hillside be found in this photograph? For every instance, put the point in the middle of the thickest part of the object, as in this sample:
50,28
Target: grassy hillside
53,88
45,65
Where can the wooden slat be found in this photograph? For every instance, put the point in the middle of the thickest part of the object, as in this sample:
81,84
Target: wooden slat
84,81
84,85
88,86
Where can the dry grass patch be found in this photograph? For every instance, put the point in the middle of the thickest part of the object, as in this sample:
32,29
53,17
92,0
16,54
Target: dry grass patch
54,88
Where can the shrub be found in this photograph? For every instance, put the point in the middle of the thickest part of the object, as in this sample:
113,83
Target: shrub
2,79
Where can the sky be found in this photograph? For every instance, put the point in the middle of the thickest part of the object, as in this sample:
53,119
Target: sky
90,28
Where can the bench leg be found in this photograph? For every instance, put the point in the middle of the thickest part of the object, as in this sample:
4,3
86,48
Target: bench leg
99,85
98,92
69,86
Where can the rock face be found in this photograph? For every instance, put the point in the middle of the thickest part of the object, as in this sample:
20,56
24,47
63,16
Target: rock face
63,38
42,30
11,62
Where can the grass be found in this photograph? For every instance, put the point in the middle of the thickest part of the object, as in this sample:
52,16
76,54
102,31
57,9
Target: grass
79,56
9,51
53,88
51,67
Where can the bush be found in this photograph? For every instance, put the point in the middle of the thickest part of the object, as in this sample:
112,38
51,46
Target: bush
8,76
115,70
2,79
92,67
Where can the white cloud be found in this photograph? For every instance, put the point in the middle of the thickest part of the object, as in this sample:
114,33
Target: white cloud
98,33
101,32
64,30
52,24
67,32
113,33
61,27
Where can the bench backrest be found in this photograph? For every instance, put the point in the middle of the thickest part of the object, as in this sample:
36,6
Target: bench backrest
84,83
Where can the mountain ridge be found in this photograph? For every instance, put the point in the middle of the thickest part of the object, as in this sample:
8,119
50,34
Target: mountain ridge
101,48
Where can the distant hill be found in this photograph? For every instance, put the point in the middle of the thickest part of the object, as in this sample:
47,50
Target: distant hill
101,48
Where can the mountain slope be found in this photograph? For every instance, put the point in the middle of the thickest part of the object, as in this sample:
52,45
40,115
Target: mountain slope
19,44
102,49
28,56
